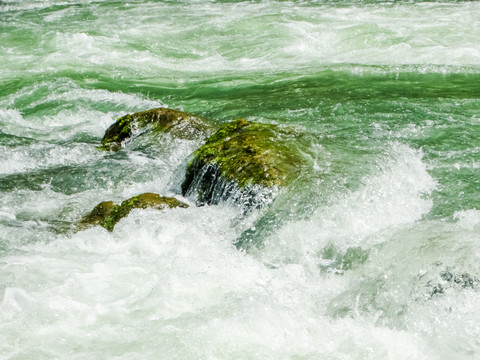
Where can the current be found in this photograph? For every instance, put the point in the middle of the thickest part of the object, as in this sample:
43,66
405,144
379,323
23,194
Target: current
372,254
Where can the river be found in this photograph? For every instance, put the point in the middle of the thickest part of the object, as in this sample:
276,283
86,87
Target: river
372,254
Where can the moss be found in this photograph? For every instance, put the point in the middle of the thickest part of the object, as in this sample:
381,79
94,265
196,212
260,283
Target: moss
118,132
178,123
245,153
97,216
107,214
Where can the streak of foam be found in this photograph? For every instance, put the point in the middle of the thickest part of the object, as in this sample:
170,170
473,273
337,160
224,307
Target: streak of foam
72,110
201,39
25,158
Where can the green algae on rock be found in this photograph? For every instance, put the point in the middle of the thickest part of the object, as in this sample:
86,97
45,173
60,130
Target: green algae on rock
178,123
97,216
107,215
240,159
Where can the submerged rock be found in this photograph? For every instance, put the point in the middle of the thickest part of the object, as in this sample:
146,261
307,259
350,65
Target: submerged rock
178,123
239,161
337,261
107,214
449,280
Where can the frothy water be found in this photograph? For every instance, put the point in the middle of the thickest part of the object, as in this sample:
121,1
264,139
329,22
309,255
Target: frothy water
372,253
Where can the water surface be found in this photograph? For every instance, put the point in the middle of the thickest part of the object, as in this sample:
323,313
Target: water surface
371,254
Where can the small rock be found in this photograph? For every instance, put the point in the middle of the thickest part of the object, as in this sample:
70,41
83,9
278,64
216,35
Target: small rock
107,215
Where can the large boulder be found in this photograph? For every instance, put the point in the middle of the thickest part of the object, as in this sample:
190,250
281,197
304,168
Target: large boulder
107,214
239,162
178,123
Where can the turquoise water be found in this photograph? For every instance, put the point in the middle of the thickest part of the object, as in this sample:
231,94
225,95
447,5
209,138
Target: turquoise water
371,254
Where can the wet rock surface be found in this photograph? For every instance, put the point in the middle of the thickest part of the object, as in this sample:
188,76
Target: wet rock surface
240,160
107,214
178,123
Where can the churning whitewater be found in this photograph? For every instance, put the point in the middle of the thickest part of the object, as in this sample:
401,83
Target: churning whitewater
370,253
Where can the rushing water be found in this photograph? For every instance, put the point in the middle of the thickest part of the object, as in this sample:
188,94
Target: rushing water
372,254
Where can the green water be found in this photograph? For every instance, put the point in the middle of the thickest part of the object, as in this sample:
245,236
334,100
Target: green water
371,254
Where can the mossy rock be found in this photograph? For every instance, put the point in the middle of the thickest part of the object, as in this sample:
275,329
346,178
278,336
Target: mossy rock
178,123
240,158
97,216
107,214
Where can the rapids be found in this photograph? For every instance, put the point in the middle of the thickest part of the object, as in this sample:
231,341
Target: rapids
371,254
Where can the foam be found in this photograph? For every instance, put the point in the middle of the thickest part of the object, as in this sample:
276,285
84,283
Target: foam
182,284
171,284
209,40
393,196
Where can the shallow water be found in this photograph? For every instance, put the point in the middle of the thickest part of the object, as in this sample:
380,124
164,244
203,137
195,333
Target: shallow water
371,254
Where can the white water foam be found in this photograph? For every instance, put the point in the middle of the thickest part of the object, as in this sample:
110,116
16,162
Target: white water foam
387,35
394,196
61,124
212,33
425,280
170,284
